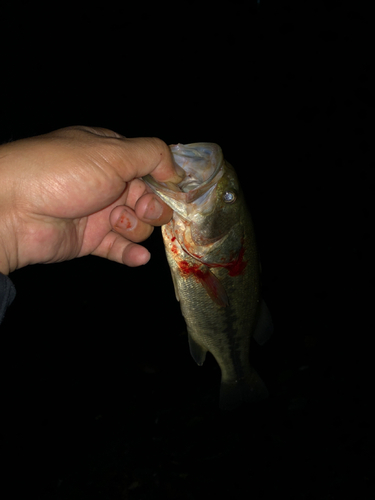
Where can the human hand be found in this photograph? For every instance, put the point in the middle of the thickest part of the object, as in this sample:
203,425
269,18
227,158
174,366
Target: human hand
77,191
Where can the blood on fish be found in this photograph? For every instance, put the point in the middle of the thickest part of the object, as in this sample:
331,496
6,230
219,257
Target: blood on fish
195,269
209,281
238,266
235,267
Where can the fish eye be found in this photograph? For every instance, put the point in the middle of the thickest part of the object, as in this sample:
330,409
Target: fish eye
229,197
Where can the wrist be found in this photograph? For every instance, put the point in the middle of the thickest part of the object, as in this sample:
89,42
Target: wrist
7,233
8,243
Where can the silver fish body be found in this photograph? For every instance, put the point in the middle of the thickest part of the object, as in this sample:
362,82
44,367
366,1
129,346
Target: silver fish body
211,251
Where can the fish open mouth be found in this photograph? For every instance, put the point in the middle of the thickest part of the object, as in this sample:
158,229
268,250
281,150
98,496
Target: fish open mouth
202,163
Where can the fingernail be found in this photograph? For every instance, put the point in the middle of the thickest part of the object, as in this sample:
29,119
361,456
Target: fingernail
126,220
153,210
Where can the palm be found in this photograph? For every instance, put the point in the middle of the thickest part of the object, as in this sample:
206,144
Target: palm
72,222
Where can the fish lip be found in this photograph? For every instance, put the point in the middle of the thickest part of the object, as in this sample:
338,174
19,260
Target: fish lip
171,193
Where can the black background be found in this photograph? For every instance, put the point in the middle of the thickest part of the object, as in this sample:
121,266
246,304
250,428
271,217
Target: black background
99,395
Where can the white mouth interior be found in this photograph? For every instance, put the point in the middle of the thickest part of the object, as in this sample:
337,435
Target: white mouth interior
197,165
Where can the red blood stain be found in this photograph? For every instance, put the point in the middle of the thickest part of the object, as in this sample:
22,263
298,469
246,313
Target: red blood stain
207,279
174,237
124,222
195,269
237,267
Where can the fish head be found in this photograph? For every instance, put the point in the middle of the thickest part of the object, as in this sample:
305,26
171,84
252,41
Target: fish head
207,203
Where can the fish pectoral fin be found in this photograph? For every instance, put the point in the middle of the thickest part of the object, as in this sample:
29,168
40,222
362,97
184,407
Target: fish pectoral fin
197,352
213,287
264,326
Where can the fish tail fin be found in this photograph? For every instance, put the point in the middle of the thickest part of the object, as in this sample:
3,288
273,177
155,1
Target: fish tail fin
246,390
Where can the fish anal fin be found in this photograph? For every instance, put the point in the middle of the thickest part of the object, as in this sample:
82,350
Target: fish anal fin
197,352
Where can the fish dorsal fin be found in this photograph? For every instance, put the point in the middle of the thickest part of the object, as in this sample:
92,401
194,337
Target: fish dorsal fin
264,327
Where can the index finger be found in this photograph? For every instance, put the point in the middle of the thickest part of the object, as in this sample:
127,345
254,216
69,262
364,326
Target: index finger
131,157
150,155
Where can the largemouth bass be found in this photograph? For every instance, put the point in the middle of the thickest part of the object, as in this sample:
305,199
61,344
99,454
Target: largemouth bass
211,251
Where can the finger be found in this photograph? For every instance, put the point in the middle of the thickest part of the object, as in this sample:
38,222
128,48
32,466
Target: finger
133,191
148,155
98,131
147,206
151,209
135,255
124,221
115,247
131,157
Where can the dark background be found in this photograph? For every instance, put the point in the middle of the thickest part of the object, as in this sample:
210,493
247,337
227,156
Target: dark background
99,396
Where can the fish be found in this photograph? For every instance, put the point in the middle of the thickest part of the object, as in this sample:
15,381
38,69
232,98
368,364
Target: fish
212,254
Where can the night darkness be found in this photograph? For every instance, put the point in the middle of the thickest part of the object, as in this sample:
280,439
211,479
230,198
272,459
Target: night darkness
100,398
